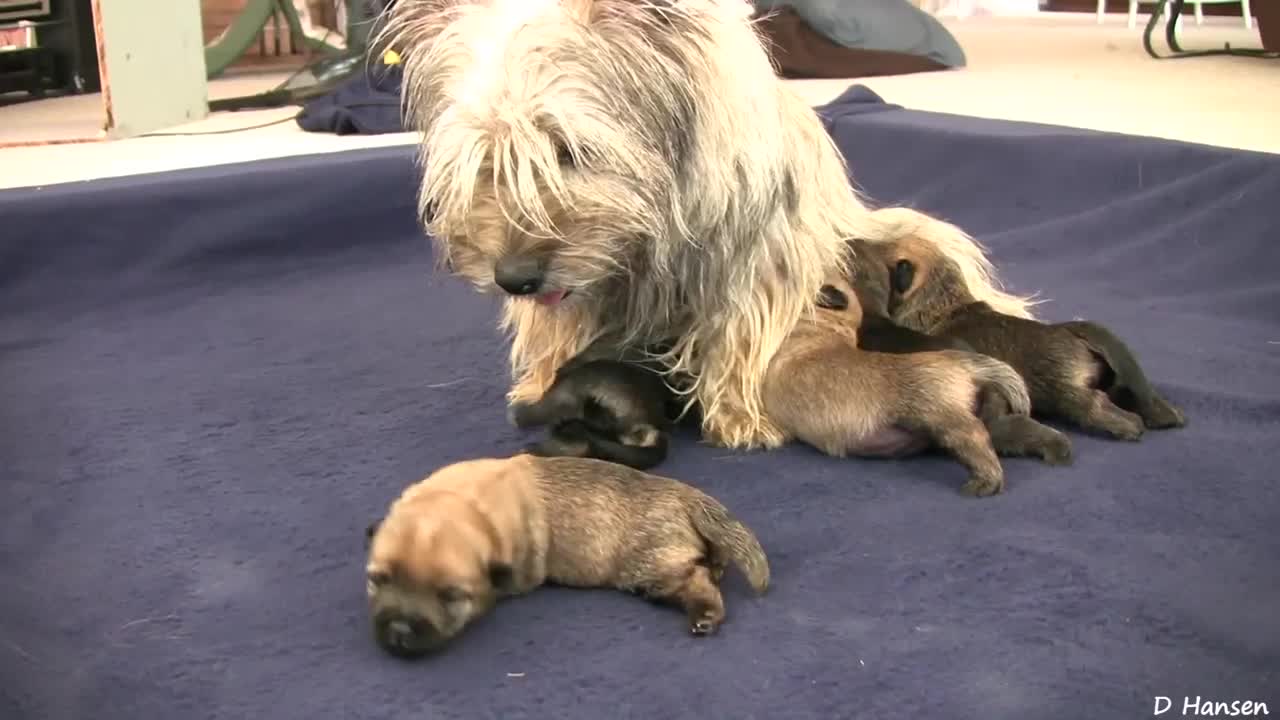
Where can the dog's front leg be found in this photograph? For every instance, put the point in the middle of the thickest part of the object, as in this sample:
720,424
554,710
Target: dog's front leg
734,415
542,339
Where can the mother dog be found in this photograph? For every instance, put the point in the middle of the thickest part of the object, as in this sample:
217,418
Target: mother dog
634,173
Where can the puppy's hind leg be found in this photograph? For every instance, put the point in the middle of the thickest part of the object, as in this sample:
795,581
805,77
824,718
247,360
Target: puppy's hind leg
1093,410
1129,388
966,438
1016,435
690,585
1022,436
700,597
1156,412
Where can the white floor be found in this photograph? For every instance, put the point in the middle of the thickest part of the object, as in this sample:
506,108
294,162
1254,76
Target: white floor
1061,69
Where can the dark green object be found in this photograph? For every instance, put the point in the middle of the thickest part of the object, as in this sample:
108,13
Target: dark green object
244,31
318,78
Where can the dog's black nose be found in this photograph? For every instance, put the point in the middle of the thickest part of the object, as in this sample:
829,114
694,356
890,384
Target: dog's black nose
518,274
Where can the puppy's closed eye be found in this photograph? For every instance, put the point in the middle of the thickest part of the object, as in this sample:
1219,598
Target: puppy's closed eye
450,595
376,579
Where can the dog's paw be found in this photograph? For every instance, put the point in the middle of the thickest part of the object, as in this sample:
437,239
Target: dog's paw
983,486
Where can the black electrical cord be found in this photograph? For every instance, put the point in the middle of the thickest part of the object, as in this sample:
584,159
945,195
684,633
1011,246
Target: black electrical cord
258,126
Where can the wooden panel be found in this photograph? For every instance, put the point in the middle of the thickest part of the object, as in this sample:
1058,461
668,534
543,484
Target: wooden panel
151,58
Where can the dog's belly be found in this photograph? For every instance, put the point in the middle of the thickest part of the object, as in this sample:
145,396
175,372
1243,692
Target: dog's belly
888,442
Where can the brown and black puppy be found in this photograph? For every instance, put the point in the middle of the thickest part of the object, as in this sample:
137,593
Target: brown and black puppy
827,392
1075,371
475,531
605,409
1012,434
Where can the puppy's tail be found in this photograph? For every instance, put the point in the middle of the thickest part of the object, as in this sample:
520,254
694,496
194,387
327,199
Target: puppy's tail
730,539
1113,350
992,374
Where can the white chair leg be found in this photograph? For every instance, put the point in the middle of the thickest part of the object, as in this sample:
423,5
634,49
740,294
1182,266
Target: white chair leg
1102,11
1199,14
1133,14
1248,14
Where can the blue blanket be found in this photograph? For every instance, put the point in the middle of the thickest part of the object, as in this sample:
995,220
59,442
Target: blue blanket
211,380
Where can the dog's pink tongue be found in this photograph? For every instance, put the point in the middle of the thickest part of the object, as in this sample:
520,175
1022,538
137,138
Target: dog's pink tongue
550,298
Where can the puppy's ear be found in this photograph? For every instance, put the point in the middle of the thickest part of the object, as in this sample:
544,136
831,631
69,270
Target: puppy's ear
902,276
501,576
830,298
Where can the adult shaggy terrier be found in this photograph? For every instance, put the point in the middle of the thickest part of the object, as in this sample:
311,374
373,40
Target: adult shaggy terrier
634,173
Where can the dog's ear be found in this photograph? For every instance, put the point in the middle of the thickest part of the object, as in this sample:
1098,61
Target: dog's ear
501,576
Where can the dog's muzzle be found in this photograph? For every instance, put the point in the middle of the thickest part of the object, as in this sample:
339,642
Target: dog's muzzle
523,275
405,635
519,274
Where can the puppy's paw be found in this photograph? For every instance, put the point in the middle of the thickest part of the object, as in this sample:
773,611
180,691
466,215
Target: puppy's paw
1129,433
1162,415
1057,451
703,624
539,449
983,486
520,414
556,446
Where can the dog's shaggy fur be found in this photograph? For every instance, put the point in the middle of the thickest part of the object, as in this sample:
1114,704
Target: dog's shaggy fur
591,157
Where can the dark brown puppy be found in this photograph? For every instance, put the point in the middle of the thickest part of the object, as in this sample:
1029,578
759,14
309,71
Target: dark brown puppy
1075,371
604,409
453,544
878,332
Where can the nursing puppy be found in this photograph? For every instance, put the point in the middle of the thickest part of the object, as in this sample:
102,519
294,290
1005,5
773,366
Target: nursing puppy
1075,371
604,409
842,400
877,332
1012,433
473,532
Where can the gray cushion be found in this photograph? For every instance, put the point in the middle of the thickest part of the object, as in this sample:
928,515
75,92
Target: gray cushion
892,25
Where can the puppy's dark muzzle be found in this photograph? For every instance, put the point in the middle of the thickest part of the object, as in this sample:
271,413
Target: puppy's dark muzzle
519,274
406,636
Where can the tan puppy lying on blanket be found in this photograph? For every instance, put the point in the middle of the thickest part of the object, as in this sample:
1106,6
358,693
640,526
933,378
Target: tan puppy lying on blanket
475,531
